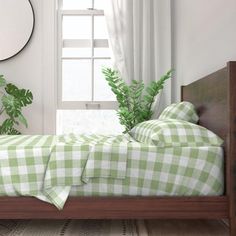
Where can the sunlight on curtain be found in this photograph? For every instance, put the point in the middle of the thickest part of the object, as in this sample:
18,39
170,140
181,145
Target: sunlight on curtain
140,38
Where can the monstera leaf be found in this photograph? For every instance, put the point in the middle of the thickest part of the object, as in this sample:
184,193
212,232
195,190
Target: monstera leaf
23,96
11,105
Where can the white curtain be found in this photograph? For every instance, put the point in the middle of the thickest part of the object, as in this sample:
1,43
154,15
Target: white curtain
140,38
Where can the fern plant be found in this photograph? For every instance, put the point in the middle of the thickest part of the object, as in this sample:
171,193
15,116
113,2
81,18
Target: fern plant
134,100
12,100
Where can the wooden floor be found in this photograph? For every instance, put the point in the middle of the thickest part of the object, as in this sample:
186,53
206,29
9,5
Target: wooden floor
182,228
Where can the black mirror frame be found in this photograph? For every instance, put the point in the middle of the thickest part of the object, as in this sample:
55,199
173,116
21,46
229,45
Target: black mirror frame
29,36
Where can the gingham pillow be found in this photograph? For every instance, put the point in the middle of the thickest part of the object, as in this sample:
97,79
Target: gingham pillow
180,111
174,133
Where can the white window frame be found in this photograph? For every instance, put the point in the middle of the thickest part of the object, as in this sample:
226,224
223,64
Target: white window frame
93,43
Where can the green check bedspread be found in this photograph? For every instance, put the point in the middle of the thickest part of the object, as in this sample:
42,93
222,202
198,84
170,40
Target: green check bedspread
53,167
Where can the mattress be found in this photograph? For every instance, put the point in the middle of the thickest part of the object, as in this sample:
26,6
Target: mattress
53,167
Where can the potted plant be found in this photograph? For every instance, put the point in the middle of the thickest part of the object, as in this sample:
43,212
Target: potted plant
134,100
12,100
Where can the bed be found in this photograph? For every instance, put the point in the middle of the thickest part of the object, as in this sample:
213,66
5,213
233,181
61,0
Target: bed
215,99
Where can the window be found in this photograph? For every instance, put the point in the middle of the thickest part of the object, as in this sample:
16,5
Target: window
85,101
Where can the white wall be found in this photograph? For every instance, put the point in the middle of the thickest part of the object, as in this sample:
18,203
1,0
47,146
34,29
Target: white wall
204,38
33,69
25,70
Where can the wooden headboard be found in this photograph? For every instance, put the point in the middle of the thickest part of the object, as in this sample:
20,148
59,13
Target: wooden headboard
215,99
210,97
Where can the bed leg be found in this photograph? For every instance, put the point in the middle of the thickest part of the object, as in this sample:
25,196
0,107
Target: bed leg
232,226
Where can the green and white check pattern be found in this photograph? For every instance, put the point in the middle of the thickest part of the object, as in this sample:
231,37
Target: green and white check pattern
152,171
50,168
180,111
174,133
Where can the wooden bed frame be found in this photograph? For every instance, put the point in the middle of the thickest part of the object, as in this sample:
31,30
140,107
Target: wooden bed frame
215,99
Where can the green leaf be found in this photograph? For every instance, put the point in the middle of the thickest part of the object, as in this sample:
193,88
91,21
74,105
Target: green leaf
6,126
23,120
24,97
8,129
2,81
11,105
13,131
148,98
151,91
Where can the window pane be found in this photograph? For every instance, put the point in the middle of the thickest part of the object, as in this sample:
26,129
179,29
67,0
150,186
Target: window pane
100,28
76,80
100,4
102,91
76,52
88,121
77,27
77,4
102,52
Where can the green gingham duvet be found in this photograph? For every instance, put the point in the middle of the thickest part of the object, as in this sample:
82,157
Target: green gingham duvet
52,167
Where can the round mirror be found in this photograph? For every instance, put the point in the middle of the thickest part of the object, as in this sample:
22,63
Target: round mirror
16,26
